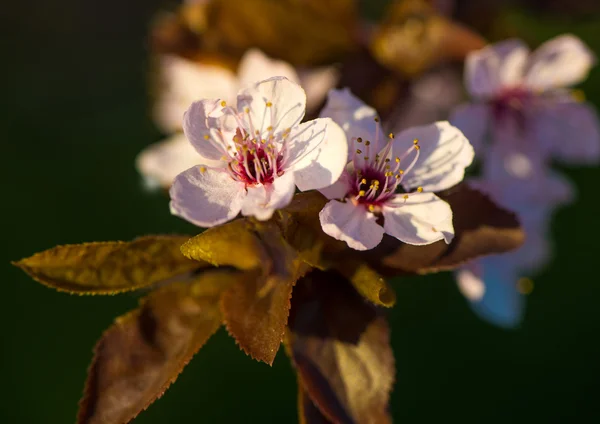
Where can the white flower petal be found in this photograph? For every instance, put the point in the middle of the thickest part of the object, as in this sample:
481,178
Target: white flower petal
560,62
317,153
443,156
317,83
356,118
352,224
205,119
276,102
206,198
495,66
422,218
257,66
263,200
473,120
184,82
491,287
162,162
569,130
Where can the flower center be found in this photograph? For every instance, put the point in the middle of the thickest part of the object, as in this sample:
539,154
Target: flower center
512,104
256,160
375,179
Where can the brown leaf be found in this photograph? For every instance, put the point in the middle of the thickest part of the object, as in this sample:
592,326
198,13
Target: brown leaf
110,267
481,228
414,37
256,309
320,32
144,351
341,349
308,413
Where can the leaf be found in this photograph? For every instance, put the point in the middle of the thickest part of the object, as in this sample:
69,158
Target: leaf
307,32
256,309
413,38
144,351
368,283
234,244
110,267
481,228
340,346
308,413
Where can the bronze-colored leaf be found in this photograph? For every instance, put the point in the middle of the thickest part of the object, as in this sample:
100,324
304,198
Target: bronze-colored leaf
234,244
320,32
110,267
481,228
144,351
414,37
256,309
308,413
341,349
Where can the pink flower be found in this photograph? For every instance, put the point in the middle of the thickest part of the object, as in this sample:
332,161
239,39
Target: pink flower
521,101
184,82
389,182
524,185
254,155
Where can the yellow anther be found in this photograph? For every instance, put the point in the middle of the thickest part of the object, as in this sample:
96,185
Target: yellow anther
359,140
405,196
397,160
363,181
420,189
263,141
387,160
397,177
257,132
269,104
366,158
400,171
358,151
269,128
223,103
203,169
417,147
361,193
391,135
246,110
371,208
376,182
416,141
206,136
388,167
367,143
223,157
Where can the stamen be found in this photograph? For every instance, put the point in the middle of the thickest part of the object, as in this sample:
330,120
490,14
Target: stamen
223,103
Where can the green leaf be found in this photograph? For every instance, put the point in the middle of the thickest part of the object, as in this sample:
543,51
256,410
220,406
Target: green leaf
110,267
144,351
340,346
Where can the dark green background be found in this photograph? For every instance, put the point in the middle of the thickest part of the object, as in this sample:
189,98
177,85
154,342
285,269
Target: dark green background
74,115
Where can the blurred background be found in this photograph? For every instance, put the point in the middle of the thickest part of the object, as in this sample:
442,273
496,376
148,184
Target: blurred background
75,113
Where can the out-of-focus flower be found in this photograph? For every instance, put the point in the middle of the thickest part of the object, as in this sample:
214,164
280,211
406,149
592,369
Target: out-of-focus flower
184,82
522,117
389,183
521,101
526,186
253,156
